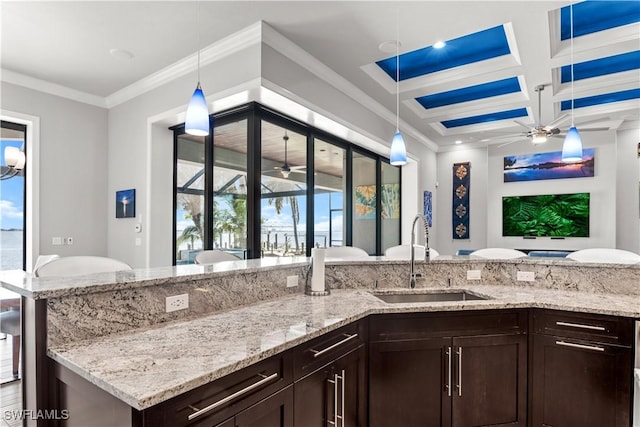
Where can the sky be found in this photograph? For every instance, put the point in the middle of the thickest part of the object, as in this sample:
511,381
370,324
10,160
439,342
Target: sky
11,194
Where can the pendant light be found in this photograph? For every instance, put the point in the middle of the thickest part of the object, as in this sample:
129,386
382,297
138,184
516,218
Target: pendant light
197,120
572,146
398,156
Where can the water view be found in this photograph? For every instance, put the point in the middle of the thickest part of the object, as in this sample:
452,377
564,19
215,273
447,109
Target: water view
11,249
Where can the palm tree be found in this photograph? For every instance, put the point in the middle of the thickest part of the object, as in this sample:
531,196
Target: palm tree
278,203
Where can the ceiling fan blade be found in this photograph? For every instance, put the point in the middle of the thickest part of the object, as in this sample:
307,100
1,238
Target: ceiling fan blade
593,129
557,121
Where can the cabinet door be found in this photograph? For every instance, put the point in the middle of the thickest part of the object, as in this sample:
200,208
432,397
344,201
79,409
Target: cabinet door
313,399
274,411
580,384
334,395
490,375
350,389
408,383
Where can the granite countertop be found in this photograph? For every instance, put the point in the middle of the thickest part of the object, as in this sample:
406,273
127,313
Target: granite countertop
146,367
33,287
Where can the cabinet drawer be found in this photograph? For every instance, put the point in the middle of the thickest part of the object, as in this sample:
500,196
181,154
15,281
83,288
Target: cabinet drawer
319,351
215,402
591,327
398,327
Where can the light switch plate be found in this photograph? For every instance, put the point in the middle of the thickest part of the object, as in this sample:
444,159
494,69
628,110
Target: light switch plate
474,274
525,276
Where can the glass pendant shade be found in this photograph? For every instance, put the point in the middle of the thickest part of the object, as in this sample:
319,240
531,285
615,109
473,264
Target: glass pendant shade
572,147
398,155
197,121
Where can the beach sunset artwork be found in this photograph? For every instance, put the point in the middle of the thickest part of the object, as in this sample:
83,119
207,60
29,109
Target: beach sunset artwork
532,167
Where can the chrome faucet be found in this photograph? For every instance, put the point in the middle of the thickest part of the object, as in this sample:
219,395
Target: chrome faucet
412,270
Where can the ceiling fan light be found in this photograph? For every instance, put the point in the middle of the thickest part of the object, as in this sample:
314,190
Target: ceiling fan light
285,173
572,146
398,156
197,120
539,138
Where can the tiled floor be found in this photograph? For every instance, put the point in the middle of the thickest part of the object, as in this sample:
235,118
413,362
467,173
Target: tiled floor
10,392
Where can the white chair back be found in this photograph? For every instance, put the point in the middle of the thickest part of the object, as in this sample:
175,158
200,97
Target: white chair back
605,255
403,252
44,259
345,252
213,255
79,266
498,253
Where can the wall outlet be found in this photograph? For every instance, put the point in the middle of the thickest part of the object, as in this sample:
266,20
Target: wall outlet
525,276
292,281
56,241
177,302
474,274
68,240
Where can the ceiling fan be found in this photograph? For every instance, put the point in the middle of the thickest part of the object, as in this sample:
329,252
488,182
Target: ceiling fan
286,169
539,133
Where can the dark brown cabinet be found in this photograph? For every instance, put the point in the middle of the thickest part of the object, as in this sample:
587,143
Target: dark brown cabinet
581,370
439,370
258,395
274,411
331,379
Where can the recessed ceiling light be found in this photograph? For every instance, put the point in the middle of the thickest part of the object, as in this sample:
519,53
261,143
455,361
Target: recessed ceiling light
439,44
121,53
389,46
458,142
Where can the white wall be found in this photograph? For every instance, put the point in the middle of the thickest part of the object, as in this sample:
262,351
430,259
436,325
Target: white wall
602,230
141,155
614,194
444,242
72,170
627,191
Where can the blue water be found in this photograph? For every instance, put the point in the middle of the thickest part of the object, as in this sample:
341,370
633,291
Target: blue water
10,250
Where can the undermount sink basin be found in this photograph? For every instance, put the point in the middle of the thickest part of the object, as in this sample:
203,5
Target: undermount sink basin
430,297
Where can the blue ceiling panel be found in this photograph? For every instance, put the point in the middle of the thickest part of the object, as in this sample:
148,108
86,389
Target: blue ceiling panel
471,93
602,66
593,16
606,98
485,118
485,44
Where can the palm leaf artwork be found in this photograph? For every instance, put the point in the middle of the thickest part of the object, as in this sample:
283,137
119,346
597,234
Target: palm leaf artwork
550,215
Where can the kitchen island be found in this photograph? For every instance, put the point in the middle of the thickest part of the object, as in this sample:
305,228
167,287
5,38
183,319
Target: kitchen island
155,357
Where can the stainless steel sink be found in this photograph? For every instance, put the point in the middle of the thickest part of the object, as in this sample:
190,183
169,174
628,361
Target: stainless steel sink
430,297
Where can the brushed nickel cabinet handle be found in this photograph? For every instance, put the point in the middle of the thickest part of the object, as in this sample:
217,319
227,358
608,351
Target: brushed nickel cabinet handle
317,353
581,326
229,398
334,381
449,355
459,386
581,346
341,416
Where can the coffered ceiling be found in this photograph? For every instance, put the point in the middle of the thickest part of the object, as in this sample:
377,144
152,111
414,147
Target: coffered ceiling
478,88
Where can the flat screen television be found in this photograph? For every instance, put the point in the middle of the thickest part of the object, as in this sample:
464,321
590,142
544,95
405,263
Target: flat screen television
547,215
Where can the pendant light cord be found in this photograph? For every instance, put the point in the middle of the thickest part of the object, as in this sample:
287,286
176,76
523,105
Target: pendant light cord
572,97
397,70
198,37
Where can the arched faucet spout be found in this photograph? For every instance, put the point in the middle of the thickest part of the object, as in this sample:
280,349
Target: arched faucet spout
412,269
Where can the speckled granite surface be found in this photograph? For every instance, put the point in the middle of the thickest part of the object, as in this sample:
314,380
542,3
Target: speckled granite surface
54,287
146,367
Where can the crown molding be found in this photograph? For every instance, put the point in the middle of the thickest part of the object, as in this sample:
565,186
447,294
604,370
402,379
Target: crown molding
210,54
51,88
300,56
